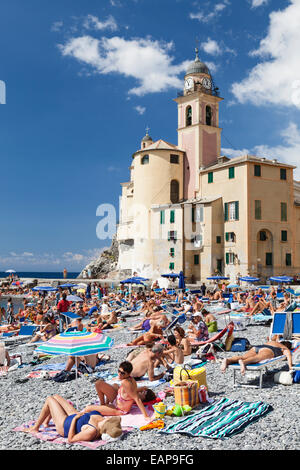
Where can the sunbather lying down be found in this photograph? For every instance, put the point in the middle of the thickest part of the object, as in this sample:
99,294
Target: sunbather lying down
76,426
155,333
269,350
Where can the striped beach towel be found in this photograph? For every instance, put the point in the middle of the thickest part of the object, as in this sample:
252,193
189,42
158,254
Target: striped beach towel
221,420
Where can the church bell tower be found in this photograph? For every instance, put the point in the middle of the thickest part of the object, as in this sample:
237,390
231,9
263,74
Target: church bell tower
198,130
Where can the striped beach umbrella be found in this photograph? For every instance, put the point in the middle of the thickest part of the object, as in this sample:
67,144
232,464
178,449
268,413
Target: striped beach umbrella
76,343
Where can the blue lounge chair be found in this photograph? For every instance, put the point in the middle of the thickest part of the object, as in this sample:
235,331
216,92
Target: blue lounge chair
277,328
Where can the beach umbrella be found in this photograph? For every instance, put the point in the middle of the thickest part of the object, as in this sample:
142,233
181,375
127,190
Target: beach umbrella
74,298
181,283
65,286
44,289
281,278
170,275
76,343
249,279
233,286
82,285
10,271
217,278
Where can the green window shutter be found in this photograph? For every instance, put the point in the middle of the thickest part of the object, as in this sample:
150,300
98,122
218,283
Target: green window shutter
283,235
257,170
269,259
172,252
193,214
172,217
162,217
226,211
288,259
227,236
258,210
169,236
283,210
171,266
218,239
283,173
231,172
227,258
237,210
210,177
175,235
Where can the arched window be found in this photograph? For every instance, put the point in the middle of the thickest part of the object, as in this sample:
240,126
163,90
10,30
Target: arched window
208,116
145,160
174,191
188,116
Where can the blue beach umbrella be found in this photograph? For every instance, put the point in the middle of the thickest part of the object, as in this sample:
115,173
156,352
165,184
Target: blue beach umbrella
181,283
217,278
44,289
65,286
74,298
281,278
249,279
170,275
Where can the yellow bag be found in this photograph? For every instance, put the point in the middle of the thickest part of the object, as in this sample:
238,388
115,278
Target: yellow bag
182,373
186,393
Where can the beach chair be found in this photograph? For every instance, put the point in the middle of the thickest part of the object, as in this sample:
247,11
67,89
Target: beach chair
277,328
228,329
25,332
180,319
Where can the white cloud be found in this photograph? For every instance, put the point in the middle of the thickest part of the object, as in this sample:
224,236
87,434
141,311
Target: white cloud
92,22
147,61
140,109
207,17
287,152
56,26
211,47
258,3
276,79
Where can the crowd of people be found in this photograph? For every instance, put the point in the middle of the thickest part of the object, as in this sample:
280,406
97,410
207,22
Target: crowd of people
159,345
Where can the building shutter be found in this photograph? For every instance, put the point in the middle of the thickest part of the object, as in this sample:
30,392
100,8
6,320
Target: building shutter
226,211
236,210
172,217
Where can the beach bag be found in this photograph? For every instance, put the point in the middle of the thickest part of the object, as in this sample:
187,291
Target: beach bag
186,393
182,373
240,345
283,378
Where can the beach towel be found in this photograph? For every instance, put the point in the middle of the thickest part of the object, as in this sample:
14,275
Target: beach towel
50,434
221,420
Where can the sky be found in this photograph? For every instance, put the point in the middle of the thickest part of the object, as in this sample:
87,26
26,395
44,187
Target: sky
80,81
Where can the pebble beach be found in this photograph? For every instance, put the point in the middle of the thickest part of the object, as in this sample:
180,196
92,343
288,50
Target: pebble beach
277,430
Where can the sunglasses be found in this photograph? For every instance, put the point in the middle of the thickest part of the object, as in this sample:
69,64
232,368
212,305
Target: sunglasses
121,372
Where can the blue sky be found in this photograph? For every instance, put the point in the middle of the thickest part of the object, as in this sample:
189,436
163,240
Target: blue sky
85,78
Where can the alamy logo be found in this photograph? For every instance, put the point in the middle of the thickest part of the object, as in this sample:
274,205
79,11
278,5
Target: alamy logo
2,92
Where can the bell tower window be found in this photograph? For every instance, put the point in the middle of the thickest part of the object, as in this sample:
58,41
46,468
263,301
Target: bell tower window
208,116
188,116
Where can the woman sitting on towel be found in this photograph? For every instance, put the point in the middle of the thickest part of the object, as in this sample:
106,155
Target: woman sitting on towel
76,426
182,340
116,400
47,330
269,350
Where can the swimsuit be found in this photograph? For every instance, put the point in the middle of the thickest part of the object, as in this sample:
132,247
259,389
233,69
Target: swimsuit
84,419
119,398
276,351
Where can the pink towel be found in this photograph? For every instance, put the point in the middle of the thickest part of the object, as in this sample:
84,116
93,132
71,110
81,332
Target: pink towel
49,434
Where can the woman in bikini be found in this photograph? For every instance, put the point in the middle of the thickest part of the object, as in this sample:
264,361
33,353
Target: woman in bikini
74,425
117,400
259,353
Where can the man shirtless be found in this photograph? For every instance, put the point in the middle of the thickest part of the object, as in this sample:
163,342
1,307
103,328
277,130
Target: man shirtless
155,333
146,361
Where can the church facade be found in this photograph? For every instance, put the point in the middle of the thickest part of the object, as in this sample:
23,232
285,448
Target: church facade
187,207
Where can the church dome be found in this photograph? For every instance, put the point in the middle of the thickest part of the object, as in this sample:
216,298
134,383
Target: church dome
147,138
197,66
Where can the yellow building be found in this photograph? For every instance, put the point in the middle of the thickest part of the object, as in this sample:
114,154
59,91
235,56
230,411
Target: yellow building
188,208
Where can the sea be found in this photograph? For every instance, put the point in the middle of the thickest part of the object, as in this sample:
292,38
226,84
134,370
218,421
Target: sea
42,275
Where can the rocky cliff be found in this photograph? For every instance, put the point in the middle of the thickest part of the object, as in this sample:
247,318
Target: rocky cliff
106,265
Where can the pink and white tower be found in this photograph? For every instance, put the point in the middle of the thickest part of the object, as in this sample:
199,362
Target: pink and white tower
199,134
